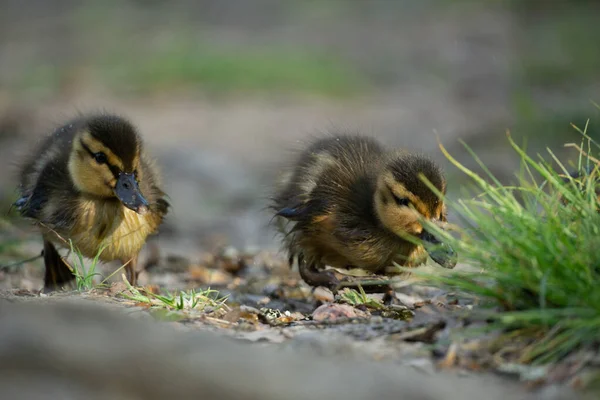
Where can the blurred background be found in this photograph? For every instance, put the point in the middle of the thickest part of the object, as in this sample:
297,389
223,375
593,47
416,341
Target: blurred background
224,91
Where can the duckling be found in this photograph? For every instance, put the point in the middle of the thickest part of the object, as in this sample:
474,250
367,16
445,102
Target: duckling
348,203
91,182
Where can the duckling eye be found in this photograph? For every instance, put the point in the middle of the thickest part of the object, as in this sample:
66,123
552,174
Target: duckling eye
401,201
100,158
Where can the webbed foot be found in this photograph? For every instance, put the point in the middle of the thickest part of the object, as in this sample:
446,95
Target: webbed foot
315,277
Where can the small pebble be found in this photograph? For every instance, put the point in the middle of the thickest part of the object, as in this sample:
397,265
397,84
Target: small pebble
323,294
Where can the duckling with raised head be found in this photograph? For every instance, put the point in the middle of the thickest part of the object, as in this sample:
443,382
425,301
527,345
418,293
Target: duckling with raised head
348,203
91,182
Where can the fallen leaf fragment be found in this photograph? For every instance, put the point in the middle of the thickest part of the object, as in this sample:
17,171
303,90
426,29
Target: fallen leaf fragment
450,360
246,313
208,276
334,312
117,288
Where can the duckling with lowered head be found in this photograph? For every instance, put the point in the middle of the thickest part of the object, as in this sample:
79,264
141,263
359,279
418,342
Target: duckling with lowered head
91,182
350,204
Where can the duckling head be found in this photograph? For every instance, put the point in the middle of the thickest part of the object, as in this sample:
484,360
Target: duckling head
105,161
402,199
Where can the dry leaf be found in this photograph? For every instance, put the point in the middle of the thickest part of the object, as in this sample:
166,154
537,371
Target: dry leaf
207,276
334,312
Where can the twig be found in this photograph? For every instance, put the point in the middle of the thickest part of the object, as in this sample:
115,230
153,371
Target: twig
117,270
369,285
17,263
53,231
583,152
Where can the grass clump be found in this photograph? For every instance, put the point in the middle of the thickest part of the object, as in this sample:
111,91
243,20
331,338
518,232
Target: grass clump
198,300
359,298
534,252
207,301
84,277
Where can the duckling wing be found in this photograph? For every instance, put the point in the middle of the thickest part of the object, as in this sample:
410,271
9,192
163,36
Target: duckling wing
302,210
24,206
29,206
52,190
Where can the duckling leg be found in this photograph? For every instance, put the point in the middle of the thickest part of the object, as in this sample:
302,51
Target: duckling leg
58,273
131,270
313,277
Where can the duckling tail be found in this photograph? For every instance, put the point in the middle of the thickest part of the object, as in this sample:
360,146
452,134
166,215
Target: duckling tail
300,211
291,213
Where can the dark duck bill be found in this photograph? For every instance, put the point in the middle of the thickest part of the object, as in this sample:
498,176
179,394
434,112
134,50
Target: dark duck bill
128,192
441,253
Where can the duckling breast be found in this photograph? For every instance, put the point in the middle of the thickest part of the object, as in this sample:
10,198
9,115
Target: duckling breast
106,223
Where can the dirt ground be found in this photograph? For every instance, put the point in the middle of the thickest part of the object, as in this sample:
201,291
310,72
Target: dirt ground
334,352
424,334
56,348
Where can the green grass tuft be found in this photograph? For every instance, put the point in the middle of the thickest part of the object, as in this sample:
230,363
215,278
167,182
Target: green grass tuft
202,300
533,249
357,298
84,277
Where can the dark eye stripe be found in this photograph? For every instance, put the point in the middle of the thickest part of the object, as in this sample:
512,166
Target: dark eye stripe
401,201
115,170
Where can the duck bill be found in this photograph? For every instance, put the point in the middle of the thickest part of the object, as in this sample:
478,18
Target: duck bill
442,253
128,192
